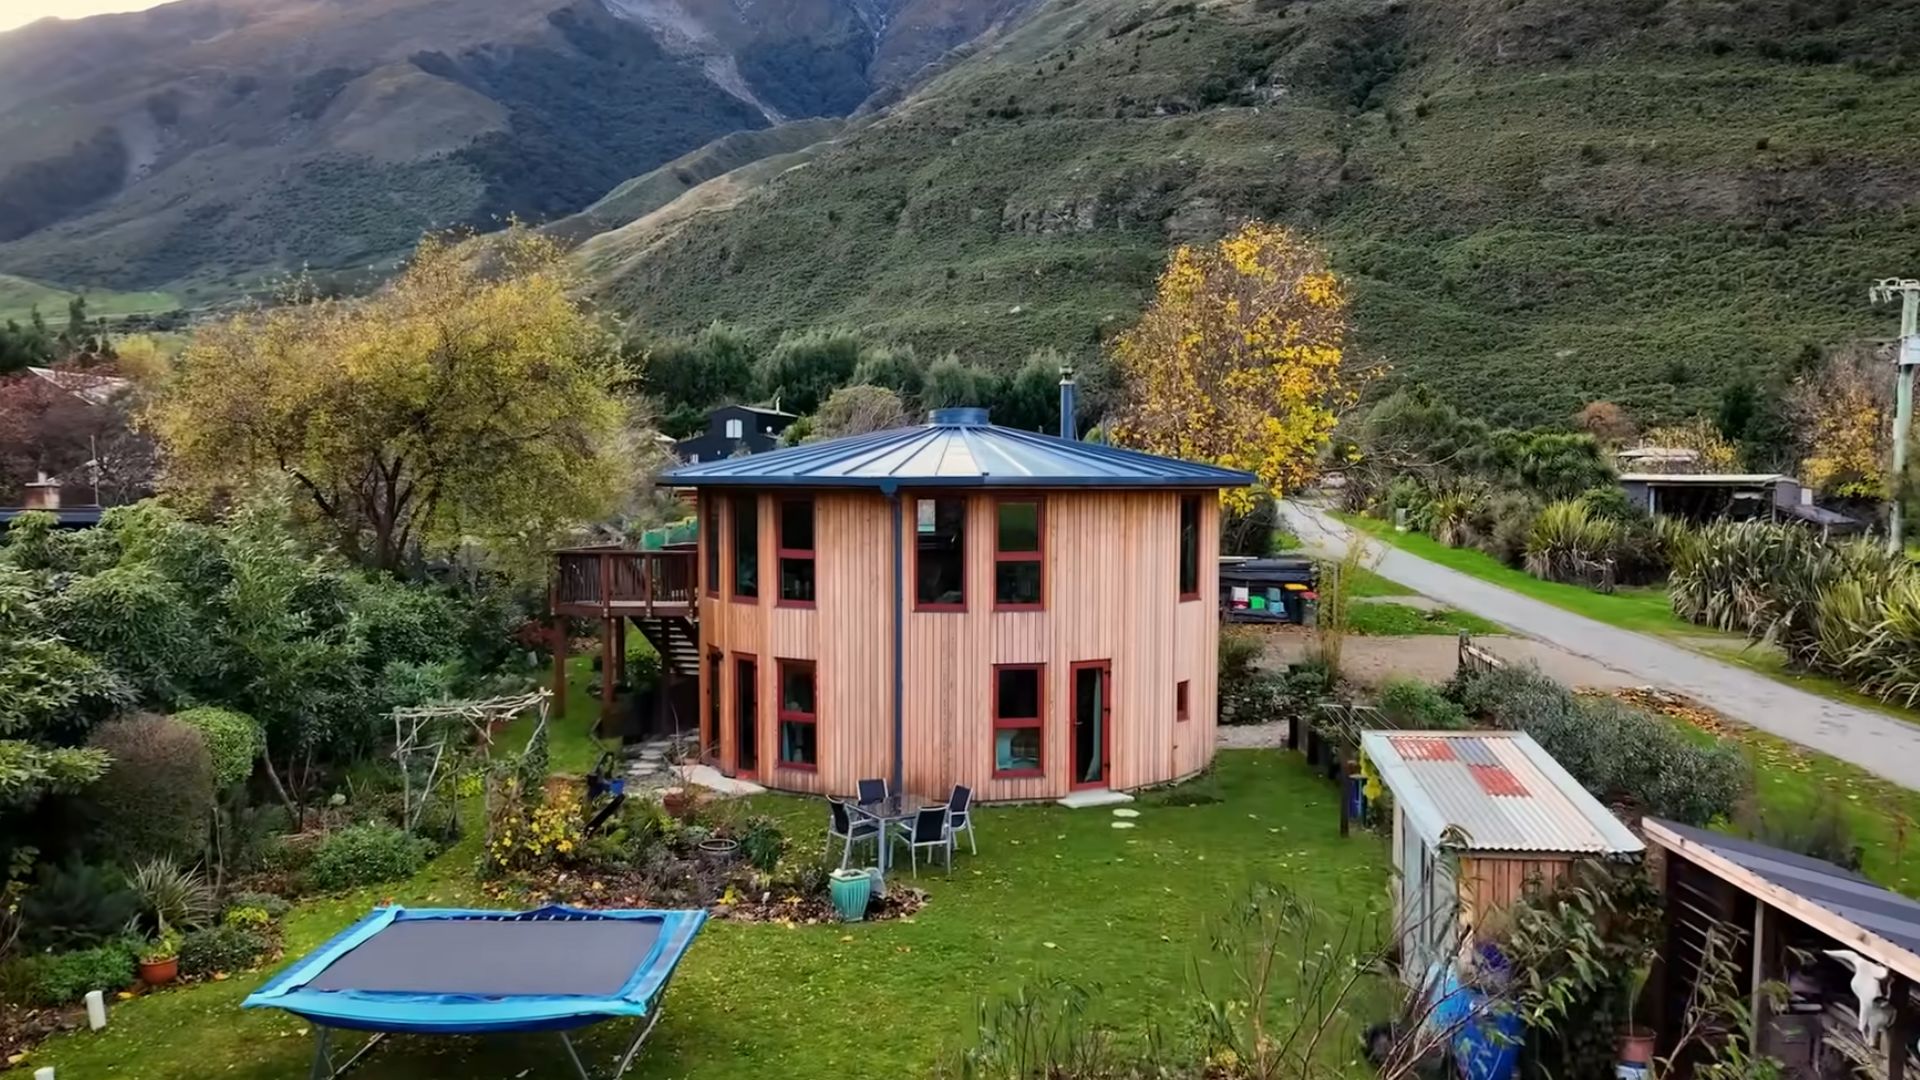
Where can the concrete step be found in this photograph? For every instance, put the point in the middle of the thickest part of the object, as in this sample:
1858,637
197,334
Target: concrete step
1093,797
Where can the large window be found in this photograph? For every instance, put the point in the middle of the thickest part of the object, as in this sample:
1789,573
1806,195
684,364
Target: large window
799,727
940,554
1018,574
710,539
746,547
1018,700
1189,547
796,552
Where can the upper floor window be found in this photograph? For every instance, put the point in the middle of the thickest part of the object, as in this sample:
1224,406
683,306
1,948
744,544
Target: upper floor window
746,547
1189,547
940,554
796,552
735,429
710,540
1018,563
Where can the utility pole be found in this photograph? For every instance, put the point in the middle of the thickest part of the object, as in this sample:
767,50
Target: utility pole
1905,360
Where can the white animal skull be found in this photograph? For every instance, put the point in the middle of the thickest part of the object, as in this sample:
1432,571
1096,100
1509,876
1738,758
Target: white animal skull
1870,986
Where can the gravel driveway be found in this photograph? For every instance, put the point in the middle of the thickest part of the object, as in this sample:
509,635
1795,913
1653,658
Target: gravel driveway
1874,741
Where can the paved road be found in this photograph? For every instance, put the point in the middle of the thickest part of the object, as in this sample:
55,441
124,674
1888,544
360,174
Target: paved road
1874,741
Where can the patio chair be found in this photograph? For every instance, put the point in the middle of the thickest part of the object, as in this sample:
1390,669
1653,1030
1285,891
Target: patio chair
960,816
844,825
928,829
872,790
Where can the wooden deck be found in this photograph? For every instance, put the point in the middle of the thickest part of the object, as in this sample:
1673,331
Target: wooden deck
614,582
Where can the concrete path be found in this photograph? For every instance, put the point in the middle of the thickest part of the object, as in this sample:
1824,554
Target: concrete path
1872,740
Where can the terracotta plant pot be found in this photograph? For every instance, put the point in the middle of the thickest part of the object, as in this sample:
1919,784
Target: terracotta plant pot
1635,1047
160,972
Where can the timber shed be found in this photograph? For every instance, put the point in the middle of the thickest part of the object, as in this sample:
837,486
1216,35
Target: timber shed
1478,816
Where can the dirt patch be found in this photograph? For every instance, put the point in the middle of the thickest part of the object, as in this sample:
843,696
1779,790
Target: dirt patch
1371,661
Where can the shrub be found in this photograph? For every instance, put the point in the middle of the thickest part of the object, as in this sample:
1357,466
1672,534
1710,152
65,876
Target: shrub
527,832
247,918
157,796
233,741
1616,752
1411,703
66,977
1819,831
221,948
365,854
762,843
73,905
276,907
171,896
1566,543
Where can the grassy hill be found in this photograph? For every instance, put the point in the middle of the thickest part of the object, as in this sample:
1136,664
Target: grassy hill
19,297
1540,202
205,145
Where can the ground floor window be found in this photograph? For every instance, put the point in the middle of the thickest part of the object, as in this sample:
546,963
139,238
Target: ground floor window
1018,693
1180,706
799,720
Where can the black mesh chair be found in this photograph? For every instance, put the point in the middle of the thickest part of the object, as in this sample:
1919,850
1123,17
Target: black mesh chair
960,816
851,828
928,829
872,790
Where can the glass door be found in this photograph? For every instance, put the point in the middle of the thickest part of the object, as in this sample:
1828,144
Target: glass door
746,732
1092,722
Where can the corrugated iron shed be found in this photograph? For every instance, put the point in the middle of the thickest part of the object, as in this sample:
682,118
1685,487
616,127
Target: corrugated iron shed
955,448
1487,791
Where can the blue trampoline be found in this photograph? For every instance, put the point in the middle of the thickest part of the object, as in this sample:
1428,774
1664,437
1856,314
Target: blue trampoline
445,972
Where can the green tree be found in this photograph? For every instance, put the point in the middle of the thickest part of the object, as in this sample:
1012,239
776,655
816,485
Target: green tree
461,402
692,375
953,383
897,368
804,368
1031,398
51,694
858,410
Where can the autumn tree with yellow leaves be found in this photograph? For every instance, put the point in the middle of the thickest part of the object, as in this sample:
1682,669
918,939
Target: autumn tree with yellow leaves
1240,360
470,400
1843,423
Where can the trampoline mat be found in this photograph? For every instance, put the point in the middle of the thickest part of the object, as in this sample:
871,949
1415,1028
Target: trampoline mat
496,958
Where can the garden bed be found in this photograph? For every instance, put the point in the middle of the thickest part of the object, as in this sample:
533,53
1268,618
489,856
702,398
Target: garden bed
734,893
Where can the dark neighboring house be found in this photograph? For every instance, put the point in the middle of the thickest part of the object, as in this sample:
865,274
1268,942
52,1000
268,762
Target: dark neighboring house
43,495
733,430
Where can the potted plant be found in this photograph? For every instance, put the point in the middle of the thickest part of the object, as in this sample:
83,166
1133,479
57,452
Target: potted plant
160,960
1635,1043
852,891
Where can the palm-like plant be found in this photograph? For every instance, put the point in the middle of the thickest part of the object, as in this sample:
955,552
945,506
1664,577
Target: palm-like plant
171,896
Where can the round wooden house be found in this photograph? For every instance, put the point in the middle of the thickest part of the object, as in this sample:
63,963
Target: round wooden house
958,603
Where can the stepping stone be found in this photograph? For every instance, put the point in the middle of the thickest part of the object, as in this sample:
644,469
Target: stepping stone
1126,812
1123,825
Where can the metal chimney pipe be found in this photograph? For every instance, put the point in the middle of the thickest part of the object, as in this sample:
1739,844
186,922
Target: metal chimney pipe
1068,421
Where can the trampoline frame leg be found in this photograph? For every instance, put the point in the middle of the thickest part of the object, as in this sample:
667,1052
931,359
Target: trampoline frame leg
626,1059
323,1054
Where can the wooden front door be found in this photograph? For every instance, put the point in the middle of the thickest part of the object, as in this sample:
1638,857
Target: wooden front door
1092,717
746,713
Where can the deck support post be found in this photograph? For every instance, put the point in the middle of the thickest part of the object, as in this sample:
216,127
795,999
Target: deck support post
899,640
1766,938
609,671
559,641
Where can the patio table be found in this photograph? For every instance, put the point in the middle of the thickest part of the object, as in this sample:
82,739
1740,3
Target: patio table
887,811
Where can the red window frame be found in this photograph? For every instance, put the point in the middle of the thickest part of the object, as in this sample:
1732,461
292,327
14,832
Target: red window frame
782,553
713,561
1001,723
737,501
1182,701
1038,555
966,507
784,715
1180,529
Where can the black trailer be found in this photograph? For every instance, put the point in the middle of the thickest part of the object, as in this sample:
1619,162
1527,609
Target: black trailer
1277,590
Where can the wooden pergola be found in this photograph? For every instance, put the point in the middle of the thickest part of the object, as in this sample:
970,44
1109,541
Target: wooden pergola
1779,899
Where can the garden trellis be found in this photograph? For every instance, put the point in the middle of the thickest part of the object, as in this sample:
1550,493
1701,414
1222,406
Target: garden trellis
428,741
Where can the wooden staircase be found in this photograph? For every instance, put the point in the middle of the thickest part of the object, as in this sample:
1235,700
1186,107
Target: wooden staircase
676,639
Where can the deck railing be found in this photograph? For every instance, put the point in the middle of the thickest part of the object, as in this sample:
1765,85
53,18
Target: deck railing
613,581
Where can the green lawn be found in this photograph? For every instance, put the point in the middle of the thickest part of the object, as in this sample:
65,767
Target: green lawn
1400,620
1642,609
1053,893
